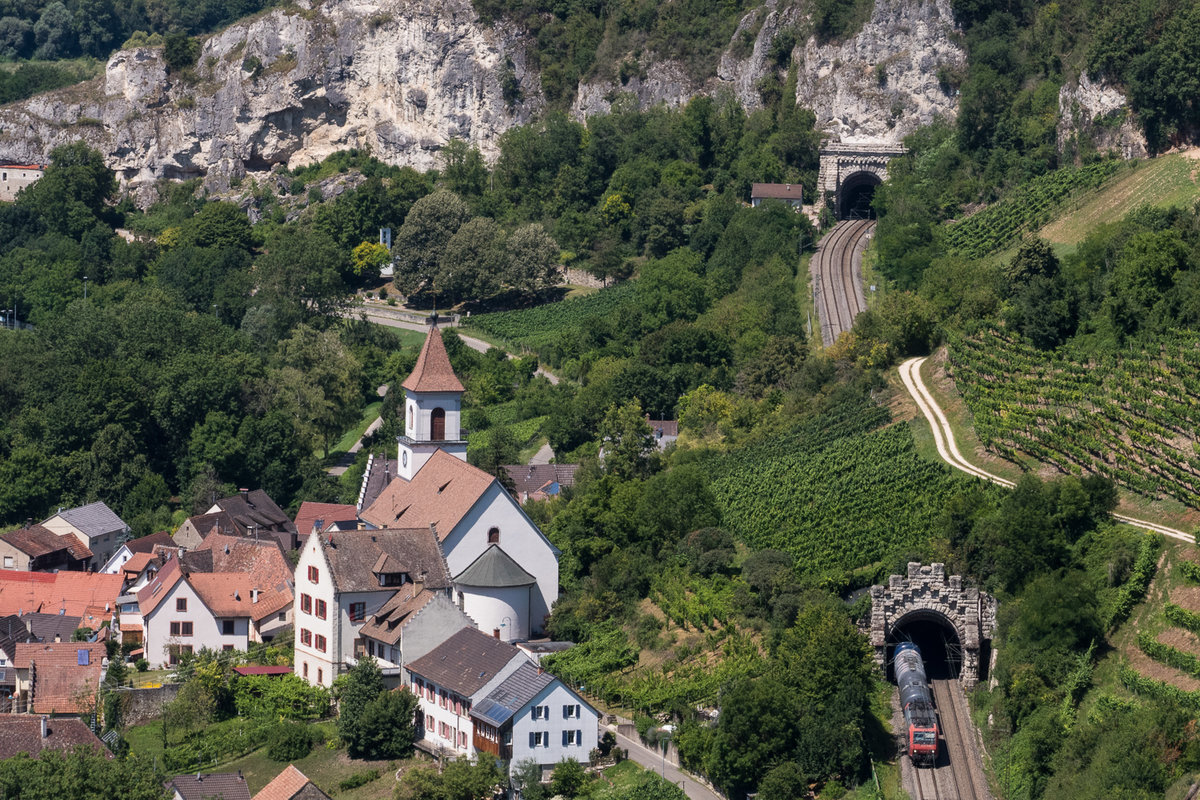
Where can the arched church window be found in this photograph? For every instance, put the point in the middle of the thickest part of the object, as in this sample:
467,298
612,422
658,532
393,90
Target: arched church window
410,417
493,536
437,424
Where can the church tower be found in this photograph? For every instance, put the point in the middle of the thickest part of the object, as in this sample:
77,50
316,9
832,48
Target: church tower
432,409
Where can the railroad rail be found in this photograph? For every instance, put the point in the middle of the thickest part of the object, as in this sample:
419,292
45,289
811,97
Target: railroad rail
958,774
837,277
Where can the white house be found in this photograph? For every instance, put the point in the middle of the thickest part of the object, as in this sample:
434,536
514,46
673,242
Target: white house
185,612
409,625
470,509
95,525
450,679
146,544
533,716
346,580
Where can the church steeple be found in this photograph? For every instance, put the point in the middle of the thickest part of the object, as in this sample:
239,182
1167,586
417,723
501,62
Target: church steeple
432,408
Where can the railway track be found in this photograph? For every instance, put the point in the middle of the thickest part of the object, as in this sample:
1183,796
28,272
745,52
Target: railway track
958,774
837,277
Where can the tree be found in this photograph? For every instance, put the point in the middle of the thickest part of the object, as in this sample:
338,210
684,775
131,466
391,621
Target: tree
758,727
628,442
299,276
386,728
180,51
422,239
81,774
474,262
532,260
54,32
784,782
322,382
218,224
568,779
465,172
355,691
367,258
74,190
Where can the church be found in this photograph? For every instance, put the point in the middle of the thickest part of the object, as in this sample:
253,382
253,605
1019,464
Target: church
500,571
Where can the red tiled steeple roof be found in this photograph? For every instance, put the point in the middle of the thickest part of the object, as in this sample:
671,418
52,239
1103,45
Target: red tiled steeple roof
433,372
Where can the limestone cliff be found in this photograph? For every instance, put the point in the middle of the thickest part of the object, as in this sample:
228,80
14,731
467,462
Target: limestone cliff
1097,113
399,77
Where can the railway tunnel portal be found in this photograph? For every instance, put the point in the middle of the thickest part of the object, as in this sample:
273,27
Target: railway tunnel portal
951,623
849,174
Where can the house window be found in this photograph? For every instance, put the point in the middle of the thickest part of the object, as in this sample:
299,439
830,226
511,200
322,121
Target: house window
320,675
541,712
571,711
306,637
572,738
462,739
314,575
437,424
181,629
358,611
321,609
8,562
227,629
181,604
410,416
283,616
429,722
493,536
306,603
176,651
320,643
539,739
304,669
228,648
462,599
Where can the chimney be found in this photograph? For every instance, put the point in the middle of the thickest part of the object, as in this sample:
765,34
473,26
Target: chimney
419,583
45,730
58,637
244,492
496,633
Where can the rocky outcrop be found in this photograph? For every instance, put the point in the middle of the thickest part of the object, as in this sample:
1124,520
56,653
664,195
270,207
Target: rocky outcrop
402,77
398,77
878,85
1097,114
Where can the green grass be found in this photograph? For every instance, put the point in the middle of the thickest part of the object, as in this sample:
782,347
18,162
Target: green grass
1166,181
343,445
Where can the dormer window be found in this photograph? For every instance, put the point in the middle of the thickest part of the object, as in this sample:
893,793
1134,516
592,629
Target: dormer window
393,578
493,536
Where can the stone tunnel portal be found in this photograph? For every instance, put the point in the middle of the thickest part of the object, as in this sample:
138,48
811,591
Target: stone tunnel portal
856,194
953,624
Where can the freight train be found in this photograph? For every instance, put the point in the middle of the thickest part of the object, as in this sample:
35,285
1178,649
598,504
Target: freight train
916,699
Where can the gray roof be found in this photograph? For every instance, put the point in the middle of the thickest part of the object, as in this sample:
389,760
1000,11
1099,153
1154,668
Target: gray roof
528,478
12,631
45,626
94,519
494,569
146,544
198,786
513,694
354,557
380,473
465,662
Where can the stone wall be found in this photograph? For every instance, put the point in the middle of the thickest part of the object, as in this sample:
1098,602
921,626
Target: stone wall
143,705
928,590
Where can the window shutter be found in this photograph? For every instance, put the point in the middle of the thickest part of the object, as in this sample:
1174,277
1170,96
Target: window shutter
579,737
564,738
531,739
578,714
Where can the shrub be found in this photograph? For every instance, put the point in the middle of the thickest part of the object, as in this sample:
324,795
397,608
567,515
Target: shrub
358,779
289,741
141,665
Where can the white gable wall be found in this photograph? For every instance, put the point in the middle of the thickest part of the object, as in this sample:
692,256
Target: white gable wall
318,668
519,537
206,629
118,560
554,728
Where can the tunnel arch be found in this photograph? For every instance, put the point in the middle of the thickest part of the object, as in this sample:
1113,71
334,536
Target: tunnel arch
955,622
855,195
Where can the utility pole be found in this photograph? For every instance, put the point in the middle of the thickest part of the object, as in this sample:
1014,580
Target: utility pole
85,287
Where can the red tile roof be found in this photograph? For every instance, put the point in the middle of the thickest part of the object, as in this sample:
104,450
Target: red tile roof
38,540
310,512
153,592
441,493
287,785
59,679
230,594
23,734
76,594
136,563
259,669
433,372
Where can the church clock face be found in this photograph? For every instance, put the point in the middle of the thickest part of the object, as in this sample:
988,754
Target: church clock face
404,458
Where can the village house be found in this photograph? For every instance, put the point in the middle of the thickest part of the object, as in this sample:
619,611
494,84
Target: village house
34,734
12,632
540,481
184,612
258,516
533,716
95,524
191,533
85,596
450,679
392,584
311,516
15,177
38,549
790,193
58,677
291,784
471,512
210,786
134,547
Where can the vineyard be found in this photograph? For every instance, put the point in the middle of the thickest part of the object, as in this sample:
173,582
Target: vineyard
1149,640
837,493
1132,416
537,328
1030,207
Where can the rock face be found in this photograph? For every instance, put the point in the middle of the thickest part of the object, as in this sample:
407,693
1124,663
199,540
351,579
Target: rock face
398,77
1099,113
402,77
878,85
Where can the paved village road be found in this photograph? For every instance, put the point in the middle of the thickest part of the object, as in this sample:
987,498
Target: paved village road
653,761
947,447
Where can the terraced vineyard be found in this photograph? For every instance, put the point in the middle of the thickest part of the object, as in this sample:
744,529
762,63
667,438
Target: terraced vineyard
836,493
536,328
1030,207
1132,416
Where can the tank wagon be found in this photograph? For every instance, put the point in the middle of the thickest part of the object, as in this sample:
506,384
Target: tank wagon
916,699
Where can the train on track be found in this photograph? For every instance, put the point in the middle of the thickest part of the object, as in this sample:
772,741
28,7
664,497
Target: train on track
916,698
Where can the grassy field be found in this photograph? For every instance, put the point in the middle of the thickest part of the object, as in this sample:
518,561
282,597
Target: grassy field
1170,180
